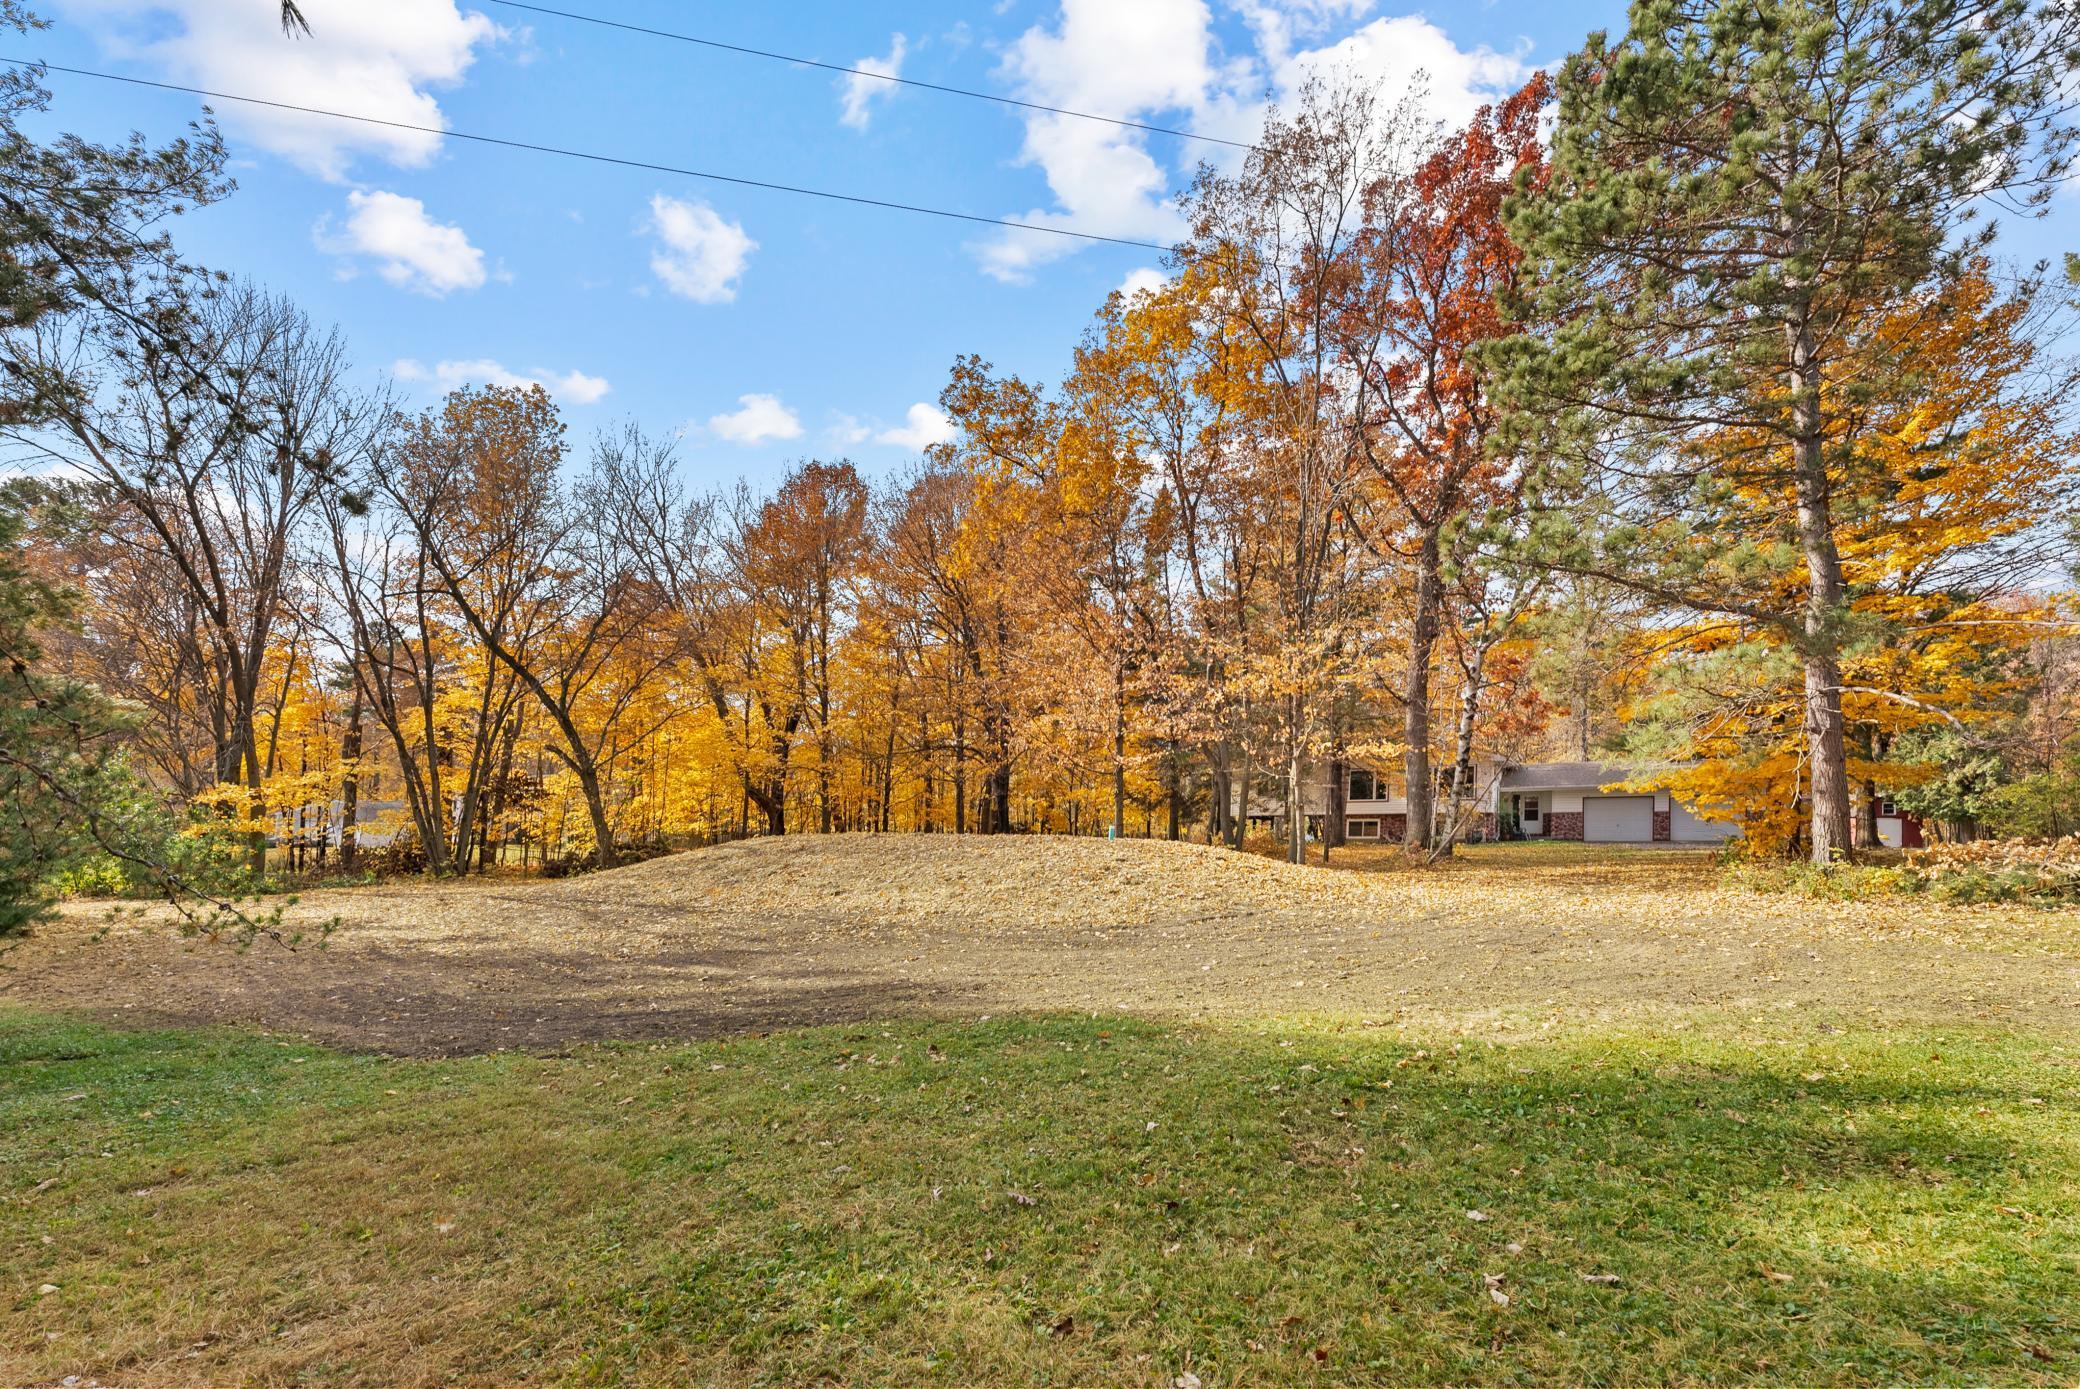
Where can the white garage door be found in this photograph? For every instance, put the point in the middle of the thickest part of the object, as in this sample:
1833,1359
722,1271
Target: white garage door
1686,826
1617,819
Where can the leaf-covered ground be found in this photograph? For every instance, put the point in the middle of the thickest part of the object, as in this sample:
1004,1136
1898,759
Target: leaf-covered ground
1048,1201
817,930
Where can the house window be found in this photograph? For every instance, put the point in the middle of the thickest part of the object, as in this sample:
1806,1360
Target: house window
1530,810
1887,808
1364,786
1361,829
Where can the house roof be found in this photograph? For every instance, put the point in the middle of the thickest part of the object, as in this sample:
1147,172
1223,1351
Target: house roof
1553,776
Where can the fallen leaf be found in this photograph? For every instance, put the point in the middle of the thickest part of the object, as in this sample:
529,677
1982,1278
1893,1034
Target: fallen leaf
1021,1198
1476,1215
1606,1279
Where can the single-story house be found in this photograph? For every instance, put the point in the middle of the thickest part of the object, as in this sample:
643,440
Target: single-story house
1544,800
1568,800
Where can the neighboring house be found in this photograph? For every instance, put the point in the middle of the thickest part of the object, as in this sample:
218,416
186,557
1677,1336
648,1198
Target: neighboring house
1568,800
1544,800
1375,803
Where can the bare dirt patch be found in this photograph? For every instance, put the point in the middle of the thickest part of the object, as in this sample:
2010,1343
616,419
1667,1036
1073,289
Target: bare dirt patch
776,934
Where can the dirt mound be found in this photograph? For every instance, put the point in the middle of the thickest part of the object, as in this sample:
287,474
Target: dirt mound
982,881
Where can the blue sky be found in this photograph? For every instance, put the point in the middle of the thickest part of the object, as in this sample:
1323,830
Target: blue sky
766,326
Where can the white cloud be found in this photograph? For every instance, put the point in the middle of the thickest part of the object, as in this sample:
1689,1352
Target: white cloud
1409,52
859,91
1127,60
699,256
411,250
573,386
1142,281
923,426
759,419
1279,24
377,58
847,429
1159,61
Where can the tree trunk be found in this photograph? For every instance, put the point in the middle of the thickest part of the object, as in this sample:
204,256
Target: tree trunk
596,807
1462,761
1175,827
1296,768
1119,755
1220,795
888,775
250,739
1339,804
1238,822
928,813
1820,634
350,788
960,776
1000,797
1416,722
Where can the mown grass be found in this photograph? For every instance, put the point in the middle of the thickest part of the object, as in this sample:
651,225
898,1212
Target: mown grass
1047,1202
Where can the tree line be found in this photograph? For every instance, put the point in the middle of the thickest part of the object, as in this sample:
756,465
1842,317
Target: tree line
1674,407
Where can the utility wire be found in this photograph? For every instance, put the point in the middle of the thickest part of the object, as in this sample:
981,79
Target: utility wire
877,76
600,158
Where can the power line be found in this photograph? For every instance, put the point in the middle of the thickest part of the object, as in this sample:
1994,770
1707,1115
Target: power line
877,76
596,158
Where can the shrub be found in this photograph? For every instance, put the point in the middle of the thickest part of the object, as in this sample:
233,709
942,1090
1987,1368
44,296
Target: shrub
2046,872
1846,882
2041,872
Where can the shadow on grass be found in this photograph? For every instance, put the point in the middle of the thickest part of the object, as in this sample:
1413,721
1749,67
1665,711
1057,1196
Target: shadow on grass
416,1003
1052,1201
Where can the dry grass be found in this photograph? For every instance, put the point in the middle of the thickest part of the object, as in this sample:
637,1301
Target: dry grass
984,883
770,934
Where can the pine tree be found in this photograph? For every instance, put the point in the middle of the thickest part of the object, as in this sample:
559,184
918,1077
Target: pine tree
1734,185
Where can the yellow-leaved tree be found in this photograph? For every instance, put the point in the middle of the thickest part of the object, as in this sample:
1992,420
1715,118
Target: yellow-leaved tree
1946,497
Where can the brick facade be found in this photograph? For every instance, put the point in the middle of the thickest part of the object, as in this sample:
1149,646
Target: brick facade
1564,824
1393,828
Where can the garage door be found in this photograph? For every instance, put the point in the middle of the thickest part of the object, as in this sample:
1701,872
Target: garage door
1617,819
1688,827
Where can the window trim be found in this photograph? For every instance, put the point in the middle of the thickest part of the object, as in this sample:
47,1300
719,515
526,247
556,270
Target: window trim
1351,830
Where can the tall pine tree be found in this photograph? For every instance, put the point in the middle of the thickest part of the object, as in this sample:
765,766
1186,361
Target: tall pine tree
1734,185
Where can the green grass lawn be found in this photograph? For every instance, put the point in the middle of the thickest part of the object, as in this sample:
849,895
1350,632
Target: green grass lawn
1047,1202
